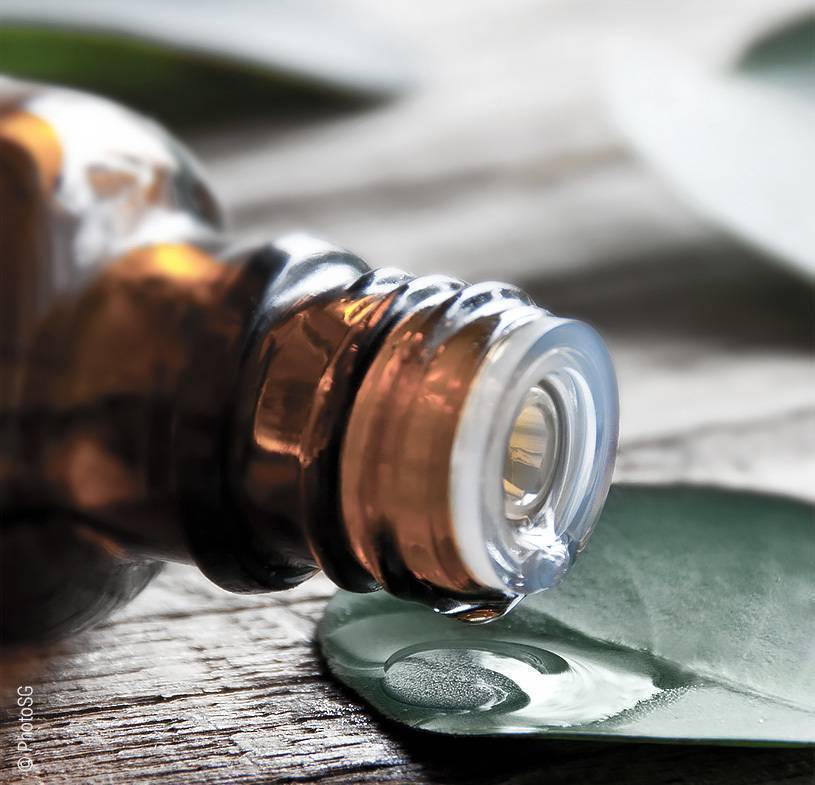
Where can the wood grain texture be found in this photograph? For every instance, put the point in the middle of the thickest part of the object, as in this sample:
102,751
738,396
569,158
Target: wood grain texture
501,164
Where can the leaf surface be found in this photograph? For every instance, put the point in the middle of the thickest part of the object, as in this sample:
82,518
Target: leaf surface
690,617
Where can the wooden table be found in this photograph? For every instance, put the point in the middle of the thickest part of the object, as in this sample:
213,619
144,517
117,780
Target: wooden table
502,163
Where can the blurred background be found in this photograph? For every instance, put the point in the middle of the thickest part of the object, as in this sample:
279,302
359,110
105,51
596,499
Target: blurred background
572,147
648,167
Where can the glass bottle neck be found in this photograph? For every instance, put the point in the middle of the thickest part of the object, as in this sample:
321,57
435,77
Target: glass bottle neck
370,432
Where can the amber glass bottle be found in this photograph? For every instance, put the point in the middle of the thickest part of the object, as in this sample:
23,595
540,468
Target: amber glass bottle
262,411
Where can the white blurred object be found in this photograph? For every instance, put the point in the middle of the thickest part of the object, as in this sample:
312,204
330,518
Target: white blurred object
737,143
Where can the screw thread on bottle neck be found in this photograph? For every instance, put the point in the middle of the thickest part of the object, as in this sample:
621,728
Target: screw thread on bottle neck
389,419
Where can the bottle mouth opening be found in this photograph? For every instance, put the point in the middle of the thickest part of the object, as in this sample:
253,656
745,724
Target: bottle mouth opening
533,454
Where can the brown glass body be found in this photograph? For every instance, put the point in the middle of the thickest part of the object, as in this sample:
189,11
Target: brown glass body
167,395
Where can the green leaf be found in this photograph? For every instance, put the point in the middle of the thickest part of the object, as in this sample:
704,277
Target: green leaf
193,63
736,143
181,90
784,56
690,617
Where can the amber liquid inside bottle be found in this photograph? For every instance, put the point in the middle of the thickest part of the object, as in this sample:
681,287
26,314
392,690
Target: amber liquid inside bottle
262,411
